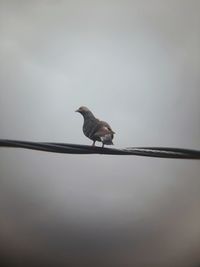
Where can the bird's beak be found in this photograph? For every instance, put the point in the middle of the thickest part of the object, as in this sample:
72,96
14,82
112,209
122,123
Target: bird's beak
77,110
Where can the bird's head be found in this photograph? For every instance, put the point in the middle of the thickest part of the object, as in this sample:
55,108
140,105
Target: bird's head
83,110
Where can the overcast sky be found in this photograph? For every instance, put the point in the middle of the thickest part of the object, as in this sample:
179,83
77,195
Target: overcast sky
135,64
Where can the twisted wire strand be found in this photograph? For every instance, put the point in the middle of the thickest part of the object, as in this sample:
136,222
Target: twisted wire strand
160,152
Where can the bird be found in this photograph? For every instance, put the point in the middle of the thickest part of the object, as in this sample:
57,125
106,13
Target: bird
95,129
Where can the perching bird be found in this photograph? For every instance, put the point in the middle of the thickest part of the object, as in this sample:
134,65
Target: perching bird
95,129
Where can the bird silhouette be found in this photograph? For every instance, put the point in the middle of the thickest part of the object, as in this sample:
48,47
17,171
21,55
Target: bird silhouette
95,129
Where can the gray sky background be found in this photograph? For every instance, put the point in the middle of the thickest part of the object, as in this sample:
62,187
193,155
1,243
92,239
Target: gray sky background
135,64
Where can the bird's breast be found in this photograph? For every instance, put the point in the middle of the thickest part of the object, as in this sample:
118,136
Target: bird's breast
89,128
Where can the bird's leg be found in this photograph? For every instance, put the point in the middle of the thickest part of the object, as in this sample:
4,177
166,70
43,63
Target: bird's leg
93,144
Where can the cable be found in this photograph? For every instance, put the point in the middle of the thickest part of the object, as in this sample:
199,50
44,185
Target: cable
160,152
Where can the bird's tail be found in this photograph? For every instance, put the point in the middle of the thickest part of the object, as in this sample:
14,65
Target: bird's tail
107,139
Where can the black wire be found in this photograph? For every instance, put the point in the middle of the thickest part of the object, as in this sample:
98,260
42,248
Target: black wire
160,152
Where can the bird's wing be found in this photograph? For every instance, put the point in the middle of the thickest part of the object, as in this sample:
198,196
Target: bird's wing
102,132
106,125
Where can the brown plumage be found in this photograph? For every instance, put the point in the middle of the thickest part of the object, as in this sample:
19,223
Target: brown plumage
95,129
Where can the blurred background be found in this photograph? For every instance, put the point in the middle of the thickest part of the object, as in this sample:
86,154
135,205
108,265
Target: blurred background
135,64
